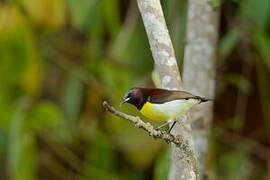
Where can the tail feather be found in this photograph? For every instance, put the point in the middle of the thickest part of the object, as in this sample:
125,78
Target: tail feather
203,99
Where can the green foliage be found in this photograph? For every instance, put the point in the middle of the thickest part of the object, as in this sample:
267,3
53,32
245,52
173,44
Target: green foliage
22,149
235,165
59,59
262,43
44,116
215,3
110,11
46,14
17,46
228,43
262,15
239,81
163,166
72,97
80,11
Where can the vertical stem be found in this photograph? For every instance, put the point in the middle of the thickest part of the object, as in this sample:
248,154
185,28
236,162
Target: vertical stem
199,67
160,43
184,166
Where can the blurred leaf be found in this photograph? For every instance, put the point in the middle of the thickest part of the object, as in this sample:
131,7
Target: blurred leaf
239,81
179,33
215,3
117,80
234,123
133,53
18,54
14,46
32,78
22,151
264,93
18,59
258,12
163,165
3,144
48,13
138,53
228,43
139,149
262,43
120,43
6,111
111,15
101,160
95,30
72,97
80,10
45,115
235,165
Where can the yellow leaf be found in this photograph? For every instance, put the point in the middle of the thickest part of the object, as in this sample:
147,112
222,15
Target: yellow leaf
10,17
22,62
32,79
48,13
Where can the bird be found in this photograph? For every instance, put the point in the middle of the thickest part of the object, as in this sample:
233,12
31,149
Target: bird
162,105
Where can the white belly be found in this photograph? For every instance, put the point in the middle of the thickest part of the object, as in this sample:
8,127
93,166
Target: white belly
174,108
168,111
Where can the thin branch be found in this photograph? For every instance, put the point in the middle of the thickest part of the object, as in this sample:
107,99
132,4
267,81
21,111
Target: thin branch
167,137
178,140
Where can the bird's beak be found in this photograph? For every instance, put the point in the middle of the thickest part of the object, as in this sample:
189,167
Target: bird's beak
125,100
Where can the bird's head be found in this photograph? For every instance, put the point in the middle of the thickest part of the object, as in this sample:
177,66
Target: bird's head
135,97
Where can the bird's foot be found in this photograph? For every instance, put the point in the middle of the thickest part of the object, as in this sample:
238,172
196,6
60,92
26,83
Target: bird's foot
169,131
162,126
166,124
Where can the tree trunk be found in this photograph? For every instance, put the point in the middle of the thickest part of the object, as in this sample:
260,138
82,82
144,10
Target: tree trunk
160,43
199,73
183,165
199,68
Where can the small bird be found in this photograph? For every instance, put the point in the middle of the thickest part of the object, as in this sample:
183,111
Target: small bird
162,105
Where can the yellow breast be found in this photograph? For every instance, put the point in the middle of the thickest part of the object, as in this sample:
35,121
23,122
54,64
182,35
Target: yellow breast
169,110
150,112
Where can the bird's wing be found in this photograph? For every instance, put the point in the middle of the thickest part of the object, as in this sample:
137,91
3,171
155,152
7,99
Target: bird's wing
160,96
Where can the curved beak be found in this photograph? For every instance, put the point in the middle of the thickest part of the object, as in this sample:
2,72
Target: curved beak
125,100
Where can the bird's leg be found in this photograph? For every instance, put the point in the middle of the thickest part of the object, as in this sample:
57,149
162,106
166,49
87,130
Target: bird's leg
163,125
172,127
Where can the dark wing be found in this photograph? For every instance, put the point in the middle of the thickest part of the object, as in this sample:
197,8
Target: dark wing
162,95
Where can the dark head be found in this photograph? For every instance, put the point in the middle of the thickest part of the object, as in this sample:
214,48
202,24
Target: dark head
135,97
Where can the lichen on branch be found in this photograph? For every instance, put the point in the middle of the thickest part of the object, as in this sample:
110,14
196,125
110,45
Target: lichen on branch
178,140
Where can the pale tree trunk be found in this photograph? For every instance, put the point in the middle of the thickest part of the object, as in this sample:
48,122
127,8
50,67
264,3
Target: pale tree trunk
160,43
199,68
198,73
184,165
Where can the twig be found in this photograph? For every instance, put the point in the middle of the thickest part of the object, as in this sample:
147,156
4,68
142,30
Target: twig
157,134
167,137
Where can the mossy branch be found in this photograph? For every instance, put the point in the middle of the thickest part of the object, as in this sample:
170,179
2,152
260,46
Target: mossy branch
157,134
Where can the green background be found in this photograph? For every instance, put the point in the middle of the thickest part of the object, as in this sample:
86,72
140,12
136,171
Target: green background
59,59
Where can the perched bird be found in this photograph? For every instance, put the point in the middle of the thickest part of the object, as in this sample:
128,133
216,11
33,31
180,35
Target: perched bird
162,105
